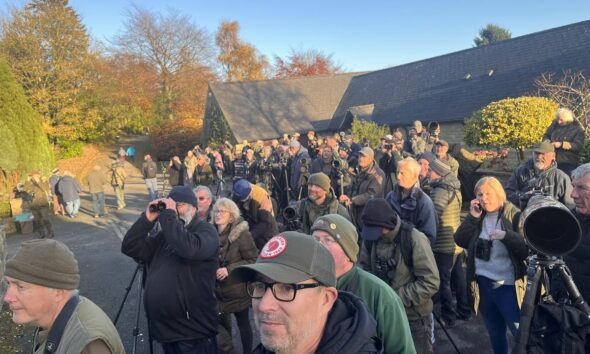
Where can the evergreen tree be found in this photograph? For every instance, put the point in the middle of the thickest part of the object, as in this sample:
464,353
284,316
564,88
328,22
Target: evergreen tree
491,34
47,49
24,144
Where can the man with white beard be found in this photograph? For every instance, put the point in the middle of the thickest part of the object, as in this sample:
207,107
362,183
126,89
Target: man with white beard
180,279
539,174
297,308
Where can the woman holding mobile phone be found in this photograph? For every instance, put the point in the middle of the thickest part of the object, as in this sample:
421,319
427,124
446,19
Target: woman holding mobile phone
496,260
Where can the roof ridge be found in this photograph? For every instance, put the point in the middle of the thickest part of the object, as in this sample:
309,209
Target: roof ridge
503,42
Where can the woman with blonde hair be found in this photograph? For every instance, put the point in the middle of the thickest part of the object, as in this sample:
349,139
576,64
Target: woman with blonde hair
496,260
236,247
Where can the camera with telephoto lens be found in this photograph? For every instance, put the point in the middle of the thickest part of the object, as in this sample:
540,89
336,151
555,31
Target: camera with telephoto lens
483,249
156,208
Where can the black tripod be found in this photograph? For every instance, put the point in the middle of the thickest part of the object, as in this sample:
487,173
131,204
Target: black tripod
537,270
138,270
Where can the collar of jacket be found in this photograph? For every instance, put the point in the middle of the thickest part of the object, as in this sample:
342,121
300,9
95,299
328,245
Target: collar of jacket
236,229
391,235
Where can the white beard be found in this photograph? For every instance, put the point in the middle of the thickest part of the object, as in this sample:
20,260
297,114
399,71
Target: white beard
188,217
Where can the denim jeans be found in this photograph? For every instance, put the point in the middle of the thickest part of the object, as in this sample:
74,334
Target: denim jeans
152,186
73,207
98,203
500,310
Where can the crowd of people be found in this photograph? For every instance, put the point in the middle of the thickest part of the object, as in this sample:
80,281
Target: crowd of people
336,246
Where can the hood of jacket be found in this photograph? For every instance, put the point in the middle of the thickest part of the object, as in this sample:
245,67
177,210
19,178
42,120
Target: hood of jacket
449,182
350,328
236,229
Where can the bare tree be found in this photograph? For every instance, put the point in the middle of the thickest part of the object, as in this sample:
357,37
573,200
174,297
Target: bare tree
171,42
570,90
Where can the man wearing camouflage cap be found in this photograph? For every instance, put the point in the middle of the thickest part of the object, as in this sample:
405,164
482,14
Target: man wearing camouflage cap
297,308
340,238
42,280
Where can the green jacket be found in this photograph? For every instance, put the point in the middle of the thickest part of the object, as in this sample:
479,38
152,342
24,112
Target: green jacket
445,193
87,324
414,284
467,235
384,305
309,212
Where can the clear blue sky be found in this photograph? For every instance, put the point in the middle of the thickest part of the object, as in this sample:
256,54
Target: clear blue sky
361,35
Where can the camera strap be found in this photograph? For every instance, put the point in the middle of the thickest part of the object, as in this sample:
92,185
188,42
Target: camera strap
59,325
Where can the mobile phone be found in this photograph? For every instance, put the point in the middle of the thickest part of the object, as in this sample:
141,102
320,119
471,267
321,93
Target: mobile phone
477,207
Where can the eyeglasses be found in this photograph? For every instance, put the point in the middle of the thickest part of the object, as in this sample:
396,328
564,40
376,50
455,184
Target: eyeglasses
326,241
281,291
203,198
220,211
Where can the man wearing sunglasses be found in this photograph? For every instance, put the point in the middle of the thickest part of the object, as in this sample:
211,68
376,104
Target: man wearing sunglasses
297,308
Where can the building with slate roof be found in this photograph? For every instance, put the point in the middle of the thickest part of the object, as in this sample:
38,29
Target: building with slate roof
447,89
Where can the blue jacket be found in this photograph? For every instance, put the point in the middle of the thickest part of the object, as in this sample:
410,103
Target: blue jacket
417,209
296,167
69,188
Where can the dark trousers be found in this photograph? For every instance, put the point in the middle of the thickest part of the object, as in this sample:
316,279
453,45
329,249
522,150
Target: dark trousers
444,262
459,284
225,333
42,223
201,346
421,329
500,311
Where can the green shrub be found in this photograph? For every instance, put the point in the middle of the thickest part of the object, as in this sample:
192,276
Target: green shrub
517,123
68,149
585,153
368,131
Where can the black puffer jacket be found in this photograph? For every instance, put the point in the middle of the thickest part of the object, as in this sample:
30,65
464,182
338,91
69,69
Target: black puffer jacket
350,329
180,278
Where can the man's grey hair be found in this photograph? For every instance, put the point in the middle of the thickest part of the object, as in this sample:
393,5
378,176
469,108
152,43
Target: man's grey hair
581,171
566,114
203,188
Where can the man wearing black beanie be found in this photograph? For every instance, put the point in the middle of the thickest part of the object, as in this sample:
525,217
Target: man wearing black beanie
180,280
401,256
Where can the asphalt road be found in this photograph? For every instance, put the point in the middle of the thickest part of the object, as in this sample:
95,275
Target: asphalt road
106,272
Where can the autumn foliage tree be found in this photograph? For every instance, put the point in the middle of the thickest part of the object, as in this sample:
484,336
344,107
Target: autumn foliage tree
240,61
518,123
48,50
170,42
305,63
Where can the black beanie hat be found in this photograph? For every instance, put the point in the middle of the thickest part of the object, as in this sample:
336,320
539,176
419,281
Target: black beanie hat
378,212
183,194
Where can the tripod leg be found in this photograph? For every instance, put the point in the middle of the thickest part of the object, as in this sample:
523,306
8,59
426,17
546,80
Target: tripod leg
572,289
127,289
527,309
446,333
139,300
